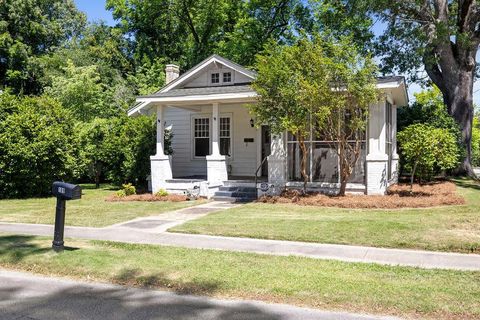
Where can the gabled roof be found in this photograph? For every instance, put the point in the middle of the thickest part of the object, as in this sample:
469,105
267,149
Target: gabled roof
202,65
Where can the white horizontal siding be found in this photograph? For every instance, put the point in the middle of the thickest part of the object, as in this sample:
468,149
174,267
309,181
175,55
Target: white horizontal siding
244,156
202,79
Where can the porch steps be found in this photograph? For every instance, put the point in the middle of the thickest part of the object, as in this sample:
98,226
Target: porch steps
236,194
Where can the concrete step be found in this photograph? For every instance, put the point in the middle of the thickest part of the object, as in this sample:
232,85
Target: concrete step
238,189
236,194
232,199
240,183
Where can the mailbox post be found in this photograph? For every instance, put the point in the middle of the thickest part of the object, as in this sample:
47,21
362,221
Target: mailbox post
63,191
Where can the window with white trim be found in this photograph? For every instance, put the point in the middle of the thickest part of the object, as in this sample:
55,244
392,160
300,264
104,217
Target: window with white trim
227,77
215,78
201,137
225,137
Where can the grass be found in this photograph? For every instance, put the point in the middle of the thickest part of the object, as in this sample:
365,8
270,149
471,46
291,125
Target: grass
450,228
90,211
355,287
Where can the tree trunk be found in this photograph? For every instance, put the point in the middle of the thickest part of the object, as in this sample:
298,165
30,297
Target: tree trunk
460,107
303,162
455,79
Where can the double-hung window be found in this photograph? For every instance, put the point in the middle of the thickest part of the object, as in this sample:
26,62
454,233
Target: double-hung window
201,137
225,137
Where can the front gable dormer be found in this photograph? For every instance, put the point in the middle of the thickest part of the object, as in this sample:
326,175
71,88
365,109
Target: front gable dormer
214,71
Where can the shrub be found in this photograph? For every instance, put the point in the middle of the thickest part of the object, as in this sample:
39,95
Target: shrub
121,193
476,142
161,193
129,144
427,150
129,189
37,146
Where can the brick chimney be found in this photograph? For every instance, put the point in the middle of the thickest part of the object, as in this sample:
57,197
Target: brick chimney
172,72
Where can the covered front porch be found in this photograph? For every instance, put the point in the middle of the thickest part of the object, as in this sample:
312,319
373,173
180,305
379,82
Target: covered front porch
211,140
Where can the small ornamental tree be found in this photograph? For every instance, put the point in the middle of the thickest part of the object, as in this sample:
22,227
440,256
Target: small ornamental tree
427,150
280,79
322,83
340,89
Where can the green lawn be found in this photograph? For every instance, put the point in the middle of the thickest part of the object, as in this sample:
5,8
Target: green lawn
324,284
90,211
453,228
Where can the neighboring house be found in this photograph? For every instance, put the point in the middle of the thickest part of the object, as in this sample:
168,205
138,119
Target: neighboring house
216,141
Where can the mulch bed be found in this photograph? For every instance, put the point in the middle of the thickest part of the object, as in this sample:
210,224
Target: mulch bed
148,197
398,196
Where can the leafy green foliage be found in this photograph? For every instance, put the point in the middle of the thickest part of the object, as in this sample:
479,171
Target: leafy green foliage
37,147
93,152
427,150
161,193
322,82
476,142
80,90
188,31
30,29
129,144
127,190
430,109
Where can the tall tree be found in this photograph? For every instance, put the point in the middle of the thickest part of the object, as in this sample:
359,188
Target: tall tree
442,37
29,29
187,31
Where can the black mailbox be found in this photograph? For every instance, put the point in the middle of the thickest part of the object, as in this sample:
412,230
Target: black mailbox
63,191
66,191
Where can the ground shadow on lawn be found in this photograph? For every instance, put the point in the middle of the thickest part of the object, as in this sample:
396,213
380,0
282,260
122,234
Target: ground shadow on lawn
468,183
134,277
87,302
15,248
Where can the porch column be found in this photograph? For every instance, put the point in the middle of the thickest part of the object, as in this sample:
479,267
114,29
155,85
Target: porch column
395,157
377,159
277,164
215,128
161,168
216,163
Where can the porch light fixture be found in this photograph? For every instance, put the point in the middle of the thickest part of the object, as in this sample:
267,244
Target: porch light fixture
252,123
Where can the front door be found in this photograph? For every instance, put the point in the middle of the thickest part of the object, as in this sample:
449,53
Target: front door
266,149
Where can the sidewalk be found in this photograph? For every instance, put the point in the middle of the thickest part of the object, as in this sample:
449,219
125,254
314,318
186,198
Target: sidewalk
415,258
26,296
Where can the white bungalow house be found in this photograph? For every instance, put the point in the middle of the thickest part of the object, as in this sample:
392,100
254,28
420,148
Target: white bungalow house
219,148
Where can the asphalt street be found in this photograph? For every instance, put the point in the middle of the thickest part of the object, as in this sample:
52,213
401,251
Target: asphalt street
24,296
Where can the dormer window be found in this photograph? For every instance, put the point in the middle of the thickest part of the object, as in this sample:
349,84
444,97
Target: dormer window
220,76
227,77
215,78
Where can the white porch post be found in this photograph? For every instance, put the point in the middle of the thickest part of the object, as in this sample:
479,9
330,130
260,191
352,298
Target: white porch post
277,164
215,128
161,168
395,157
216,163
377,159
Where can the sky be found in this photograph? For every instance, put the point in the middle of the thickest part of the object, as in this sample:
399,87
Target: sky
95,10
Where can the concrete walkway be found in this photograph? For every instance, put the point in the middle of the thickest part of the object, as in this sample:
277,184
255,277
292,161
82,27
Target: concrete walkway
24,296
165,221
415,258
